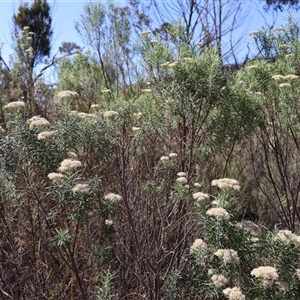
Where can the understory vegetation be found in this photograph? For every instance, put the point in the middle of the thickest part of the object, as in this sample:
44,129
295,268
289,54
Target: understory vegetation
173,179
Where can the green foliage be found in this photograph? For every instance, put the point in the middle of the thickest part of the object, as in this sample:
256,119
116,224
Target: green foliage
209,270
126,183
105,292
107,31
274,83
82,75
62,237
280,4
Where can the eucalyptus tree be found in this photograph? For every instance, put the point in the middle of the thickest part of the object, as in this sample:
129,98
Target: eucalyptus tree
281,4
210,23
106,29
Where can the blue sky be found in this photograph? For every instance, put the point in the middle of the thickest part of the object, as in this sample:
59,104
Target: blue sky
66,12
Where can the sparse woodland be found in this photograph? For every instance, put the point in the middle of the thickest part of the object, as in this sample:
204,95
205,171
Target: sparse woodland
149,171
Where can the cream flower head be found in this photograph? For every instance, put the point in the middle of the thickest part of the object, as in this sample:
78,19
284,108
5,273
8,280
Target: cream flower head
198,244
181,174
15,106
69,165
81,188
268,275
55,176
199,196
253,32
219,280
182,180
218,212
110,114
112,197
44,135
228,256
67,95
234,293
225,183
164,158
37,122
145,32
251,227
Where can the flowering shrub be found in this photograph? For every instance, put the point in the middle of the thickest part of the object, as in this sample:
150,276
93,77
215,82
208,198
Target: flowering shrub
238,260
186,190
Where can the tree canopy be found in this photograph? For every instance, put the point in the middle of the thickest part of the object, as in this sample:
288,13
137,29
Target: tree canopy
280,4
37,17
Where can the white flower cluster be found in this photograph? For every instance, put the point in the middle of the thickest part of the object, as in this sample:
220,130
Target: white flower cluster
286,236
95,106
199,196
181,178
281,77
69,165
135,129
81,188
54,177
218,212
234,293
228,256
67,95
37,122
109,222
15,106
254,32
46,135
268,275
219,280
145,32
110,114
113,197
86,116
226,183
198,244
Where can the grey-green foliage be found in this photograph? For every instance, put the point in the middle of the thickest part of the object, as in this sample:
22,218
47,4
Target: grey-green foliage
272,85
8,187
81,135
83,75
254,247
121,52
21,147
272,43
92,25
106,290
62,237
107,30
236,116
186,89
183,71
157,49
